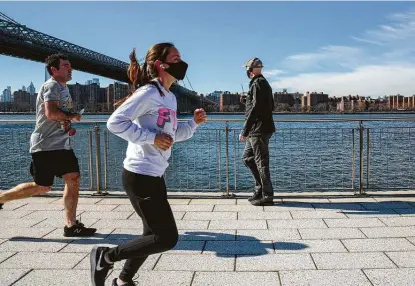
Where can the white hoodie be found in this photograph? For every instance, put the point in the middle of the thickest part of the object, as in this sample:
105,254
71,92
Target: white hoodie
138,120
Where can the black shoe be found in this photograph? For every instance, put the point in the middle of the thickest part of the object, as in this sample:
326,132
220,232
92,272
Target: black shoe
1,206
264,201
78,229
131,283
99,267
255,196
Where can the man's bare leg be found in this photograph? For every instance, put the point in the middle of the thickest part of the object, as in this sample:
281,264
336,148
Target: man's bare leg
23,191
70,197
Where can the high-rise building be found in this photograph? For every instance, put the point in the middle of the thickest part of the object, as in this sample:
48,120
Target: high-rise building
6,95
31,89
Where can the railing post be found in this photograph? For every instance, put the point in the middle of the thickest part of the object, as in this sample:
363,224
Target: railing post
368,158
353,161
91,172
98,161
227,160
361,192
219,160
106,139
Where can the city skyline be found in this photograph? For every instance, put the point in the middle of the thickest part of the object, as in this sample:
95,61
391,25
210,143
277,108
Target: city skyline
338,47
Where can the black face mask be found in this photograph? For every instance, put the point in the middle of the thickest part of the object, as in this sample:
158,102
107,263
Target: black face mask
177,70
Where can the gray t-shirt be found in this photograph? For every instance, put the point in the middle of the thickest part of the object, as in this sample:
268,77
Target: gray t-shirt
49,134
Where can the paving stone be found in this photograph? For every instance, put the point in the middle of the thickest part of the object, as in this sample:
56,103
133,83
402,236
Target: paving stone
33,245
398,231
354,222
213,202
308,246
399,221
236,279
177,262
11,214
293,200
330,233
46,214
15,205
317,214
237,208
30,260
5,255
403,259
187,247
352,260
107,215
8,276
160,278
20,222
289,207
338,206
267,234
296,223
177,216
101,233
192,224
263,215
238,224
274,262
86,245
83,201
59,277
119,223
371,213
386,205
114,201
179,201
192,208
40,200
406,212
98,208
378,244
238,247
25,232
59,222
324,278
210,216
118,266
352,200
41,207
207,235
391,277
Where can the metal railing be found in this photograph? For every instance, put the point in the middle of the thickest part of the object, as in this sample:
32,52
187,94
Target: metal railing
345,154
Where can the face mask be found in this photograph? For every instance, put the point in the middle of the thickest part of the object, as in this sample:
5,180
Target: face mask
177,70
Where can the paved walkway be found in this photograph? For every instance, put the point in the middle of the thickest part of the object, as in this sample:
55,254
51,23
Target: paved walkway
298,241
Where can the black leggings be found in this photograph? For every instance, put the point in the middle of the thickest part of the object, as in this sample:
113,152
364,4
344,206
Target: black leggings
148,196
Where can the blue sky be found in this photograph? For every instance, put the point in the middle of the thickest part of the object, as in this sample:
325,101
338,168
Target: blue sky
341,48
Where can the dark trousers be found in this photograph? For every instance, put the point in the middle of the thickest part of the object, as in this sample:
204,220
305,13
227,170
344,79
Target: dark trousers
148,196
256,158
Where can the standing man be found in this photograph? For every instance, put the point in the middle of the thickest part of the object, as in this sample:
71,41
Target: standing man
51,152
258,129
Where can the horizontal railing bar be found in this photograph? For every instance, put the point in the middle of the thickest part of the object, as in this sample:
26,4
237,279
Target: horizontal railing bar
89,121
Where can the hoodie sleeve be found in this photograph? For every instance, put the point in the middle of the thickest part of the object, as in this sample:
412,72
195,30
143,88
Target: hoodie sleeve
121,122
185,130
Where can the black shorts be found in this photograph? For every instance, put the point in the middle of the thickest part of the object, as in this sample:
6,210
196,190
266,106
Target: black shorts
46,165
